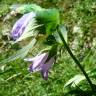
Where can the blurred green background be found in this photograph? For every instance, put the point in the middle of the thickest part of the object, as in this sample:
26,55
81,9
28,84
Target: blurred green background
79,16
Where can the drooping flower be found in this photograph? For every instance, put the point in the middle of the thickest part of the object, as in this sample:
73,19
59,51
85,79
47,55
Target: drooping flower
21,24
40,63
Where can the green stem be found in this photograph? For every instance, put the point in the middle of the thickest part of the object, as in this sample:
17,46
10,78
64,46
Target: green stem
75,60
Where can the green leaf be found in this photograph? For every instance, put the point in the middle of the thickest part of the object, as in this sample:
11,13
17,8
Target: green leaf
75,80
13,76
45,50
64,33
92,73
21,53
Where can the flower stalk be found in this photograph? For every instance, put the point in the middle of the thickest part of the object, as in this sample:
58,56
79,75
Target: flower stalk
75,60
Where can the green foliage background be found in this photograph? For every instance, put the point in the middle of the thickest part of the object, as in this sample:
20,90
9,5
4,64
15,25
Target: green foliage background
15,80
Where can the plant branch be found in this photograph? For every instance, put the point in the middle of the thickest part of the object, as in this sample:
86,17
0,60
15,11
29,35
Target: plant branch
75,59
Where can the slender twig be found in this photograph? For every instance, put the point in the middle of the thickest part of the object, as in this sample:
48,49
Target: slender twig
75,59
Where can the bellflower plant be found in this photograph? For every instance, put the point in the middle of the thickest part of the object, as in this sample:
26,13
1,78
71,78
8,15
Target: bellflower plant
40,63
50,20
21,24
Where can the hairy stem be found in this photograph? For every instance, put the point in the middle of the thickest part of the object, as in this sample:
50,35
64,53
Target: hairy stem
75,60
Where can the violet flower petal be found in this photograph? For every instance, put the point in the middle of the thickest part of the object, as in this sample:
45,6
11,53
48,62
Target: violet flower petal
20,25
37,62
46,67
32,69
